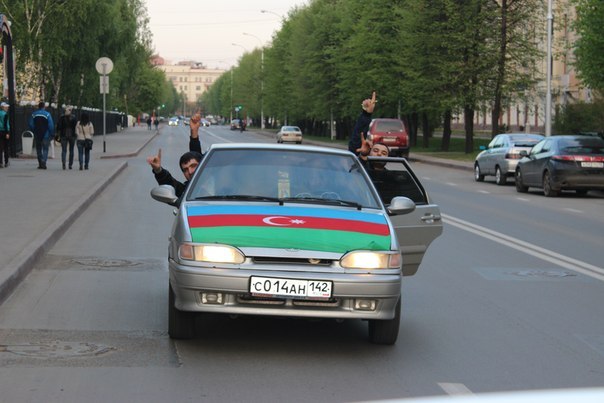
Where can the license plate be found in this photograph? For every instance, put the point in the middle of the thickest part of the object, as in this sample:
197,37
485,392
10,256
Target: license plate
389,139
282,287
592,164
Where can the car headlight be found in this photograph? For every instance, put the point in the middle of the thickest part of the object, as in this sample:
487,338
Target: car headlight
211,253
371,260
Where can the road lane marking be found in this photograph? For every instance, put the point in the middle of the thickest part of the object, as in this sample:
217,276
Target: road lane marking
484,191
455,389
451,184
572,210
530,249
522,199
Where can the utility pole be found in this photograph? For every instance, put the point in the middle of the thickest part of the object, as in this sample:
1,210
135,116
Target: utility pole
548,94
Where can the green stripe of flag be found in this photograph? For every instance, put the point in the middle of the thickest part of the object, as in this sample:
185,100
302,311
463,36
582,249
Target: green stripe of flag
296,238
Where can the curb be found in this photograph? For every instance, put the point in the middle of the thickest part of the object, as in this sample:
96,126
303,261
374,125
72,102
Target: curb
24,262
132,154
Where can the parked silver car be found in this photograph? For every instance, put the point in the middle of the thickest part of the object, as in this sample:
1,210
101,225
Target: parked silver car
291,134
500,157
296,231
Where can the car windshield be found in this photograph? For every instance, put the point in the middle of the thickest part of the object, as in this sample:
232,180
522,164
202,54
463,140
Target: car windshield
283,176
389,126
291,129
582,146
523,140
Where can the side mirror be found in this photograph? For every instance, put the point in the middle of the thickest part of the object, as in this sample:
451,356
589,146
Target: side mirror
401,205
482,148
523,153
165,194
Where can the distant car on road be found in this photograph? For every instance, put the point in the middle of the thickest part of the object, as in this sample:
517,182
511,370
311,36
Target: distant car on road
236,124
205,122
391,132
291,134
173,121
559,163
186,121
502,154
296,231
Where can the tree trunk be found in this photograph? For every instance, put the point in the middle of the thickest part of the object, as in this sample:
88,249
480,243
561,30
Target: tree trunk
446,140
468,114
426,130
412,123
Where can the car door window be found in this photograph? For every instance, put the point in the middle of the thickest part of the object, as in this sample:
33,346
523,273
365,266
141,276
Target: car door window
394,179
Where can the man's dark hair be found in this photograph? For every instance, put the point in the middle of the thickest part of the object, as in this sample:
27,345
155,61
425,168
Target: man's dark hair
188,156
41,104
382,144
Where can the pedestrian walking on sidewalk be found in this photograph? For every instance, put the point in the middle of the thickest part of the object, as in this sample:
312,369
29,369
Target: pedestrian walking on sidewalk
149,123
156,123
4,134
43,127
84,131
66,130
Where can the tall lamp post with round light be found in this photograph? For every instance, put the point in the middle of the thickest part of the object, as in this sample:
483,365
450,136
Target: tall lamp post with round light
261,79
245,50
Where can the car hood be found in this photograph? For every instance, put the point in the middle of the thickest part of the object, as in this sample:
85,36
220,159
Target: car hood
289,227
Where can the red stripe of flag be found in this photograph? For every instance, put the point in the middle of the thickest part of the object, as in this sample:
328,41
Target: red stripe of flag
251,220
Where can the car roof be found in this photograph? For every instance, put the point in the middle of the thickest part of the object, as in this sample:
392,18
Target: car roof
288,147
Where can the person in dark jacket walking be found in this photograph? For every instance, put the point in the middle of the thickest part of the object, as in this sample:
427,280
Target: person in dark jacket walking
66,129
42,125
4,134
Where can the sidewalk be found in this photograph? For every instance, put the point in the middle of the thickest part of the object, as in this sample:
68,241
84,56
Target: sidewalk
38,206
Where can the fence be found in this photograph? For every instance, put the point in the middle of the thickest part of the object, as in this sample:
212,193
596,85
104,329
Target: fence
115,122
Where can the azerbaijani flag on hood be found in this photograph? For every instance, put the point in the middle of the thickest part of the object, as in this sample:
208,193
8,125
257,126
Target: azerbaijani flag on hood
325,230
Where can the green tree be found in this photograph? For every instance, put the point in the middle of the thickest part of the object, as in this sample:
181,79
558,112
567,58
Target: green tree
589,47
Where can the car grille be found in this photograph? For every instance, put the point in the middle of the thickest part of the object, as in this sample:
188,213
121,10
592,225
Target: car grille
292,261
249,299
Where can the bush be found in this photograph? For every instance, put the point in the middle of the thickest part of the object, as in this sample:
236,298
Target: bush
580,117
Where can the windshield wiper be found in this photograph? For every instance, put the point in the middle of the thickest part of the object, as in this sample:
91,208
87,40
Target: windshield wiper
241,197
320,200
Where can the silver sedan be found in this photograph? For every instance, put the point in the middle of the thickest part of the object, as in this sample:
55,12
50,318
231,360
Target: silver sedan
502,154
296,231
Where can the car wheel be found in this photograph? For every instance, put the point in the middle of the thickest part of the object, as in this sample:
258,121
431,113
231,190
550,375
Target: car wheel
478,177
520,187
500,178
548,191
385,331
180,324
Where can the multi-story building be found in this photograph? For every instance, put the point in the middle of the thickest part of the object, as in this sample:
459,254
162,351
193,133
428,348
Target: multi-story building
191,79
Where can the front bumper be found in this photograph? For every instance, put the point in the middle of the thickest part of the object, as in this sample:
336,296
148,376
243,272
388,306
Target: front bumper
359,296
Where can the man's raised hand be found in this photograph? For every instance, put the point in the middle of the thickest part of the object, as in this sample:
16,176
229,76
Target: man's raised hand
155,161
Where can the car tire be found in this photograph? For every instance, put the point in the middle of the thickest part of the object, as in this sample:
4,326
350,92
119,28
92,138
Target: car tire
520,187
500,178
548,190
478,176
385,331
181,325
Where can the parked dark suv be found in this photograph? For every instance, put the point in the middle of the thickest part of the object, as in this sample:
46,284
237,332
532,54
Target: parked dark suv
391,132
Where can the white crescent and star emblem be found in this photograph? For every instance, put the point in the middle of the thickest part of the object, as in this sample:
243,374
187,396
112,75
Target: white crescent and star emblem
281,221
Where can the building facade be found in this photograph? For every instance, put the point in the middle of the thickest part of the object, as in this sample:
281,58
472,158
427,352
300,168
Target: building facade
191,79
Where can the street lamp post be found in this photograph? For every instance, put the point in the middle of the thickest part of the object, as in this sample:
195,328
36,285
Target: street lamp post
245,49
548,94
261,79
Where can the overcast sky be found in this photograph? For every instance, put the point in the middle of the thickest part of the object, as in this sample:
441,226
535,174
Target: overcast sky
205,30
